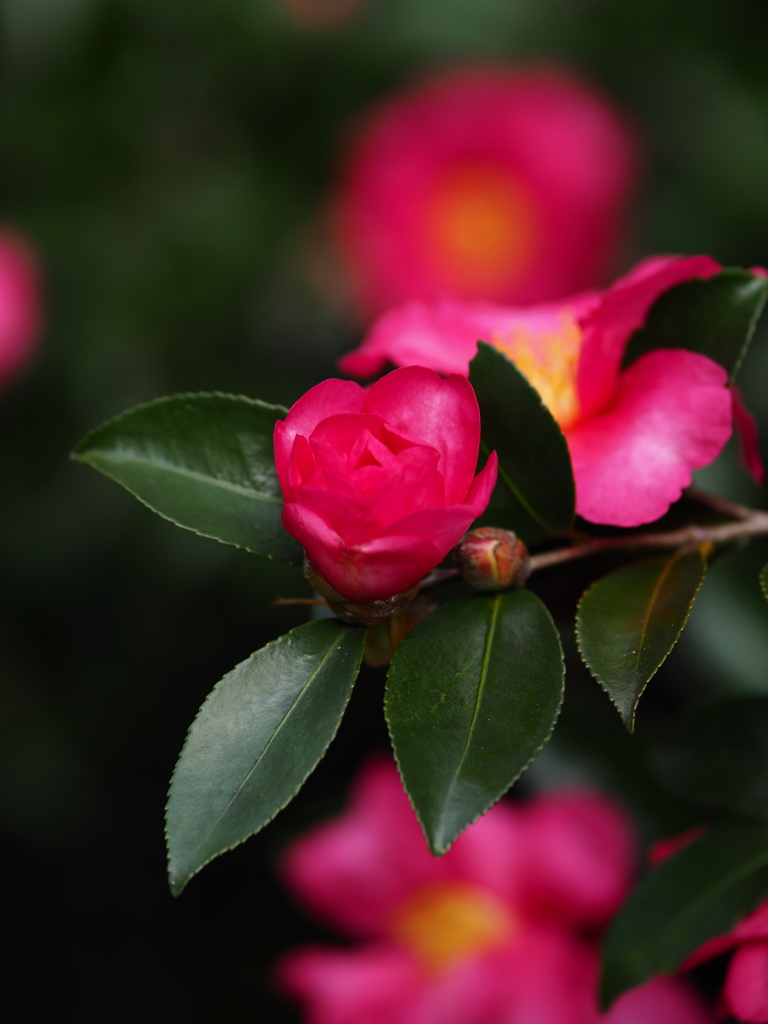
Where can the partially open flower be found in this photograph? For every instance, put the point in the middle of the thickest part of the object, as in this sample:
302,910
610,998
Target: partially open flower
379,485
493,183
490,558
635,434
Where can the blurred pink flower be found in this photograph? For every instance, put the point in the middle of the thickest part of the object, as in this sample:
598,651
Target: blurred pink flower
485,183
379,485
634,435
19,305
501,930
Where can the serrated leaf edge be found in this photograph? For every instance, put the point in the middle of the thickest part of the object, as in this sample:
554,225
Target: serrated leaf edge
630,725
177,889
440,851
77,457
724,881
759,307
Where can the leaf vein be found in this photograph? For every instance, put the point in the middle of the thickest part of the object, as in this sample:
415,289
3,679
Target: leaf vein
264,752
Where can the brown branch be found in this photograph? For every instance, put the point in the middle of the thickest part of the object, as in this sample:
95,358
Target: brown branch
755,525
745,522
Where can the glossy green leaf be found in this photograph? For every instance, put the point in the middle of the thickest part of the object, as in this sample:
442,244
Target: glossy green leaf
718,756
715,316
473,694
205,462
535,476
764,581
259,734
701,892
629,621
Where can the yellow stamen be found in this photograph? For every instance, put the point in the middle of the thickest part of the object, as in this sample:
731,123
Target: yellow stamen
550,362
481,228
450,921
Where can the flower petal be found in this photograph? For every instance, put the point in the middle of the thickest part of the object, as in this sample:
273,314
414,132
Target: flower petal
354,871
608,324
660,1001
19,303
441,335
327,398
580,858
747,437
671,414
746,984
440,412
374,984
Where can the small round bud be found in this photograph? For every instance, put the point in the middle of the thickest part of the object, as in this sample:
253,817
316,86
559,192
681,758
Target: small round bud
358,613
490,558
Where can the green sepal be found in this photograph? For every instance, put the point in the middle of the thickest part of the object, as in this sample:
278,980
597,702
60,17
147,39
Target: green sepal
717,756
764,581
259,734
700,892
472,696
629,621
204,461
535,488
715,316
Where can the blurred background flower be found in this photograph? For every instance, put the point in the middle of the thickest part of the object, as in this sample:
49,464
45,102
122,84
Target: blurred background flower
20,305
500,930
168,163
508,185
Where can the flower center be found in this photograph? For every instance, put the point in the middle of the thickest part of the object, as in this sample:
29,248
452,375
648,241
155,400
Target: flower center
550,361
481,229
450,921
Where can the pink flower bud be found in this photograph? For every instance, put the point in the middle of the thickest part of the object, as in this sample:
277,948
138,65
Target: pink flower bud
379,484
490,558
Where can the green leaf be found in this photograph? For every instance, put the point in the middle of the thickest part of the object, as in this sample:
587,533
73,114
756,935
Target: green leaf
701,892
629,621
473,694
259,734
205,462
764,581
718,756
535,476
715,316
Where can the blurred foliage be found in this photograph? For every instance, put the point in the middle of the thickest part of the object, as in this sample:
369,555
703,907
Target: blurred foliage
168,160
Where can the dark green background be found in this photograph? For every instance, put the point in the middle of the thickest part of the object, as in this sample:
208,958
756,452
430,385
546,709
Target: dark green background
167,158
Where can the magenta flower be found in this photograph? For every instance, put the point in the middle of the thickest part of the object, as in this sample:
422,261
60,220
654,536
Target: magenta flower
379,485
634,435
484,183
501,930
19,305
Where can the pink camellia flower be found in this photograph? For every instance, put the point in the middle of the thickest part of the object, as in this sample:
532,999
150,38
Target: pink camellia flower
745,992
485,183
501,930
634,435
379,484
19,305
